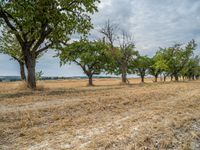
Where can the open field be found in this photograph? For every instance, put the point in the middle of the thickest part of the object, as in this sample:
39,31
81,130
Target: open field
69,115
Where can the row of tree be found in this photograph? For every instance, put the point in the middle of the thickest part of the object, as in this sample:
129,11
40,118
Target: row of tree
102,56
39,25
30,28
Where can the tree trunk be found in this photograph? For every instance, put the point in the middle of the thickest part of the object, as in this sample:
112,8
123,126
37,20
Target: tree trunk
22,72
171,77
90,81
30,65
124,78
31,75
124,75
176,77
165,78
142,79
193,77
156,78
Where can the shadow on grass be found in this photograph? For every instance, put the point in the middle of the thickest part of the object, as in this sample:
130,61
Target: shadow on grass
58,91
86,89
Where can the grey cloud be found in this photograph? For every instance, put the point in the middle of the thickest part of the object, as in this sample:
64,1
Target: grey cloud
153,23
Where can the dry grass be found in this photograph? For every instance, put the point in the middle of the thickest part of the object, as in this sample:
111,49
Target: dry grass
67,114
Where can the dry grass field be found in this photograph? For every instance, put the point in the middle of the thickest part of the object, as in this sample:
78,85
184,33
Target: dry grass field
66,114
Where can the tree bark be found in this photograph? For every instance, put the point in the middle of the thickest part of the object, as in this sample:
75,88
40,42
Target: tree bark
90,81
176,77
22,71
156,78
30,65
142,79
31,75
165,78
124,78
171,77
124,74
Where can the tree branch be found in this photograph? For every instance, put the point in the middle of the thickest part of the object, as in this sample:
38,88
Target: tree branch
5,18
43,49
43,35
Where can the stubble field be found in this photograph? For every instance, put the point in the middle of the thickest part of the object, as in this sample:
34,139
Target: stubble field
66,114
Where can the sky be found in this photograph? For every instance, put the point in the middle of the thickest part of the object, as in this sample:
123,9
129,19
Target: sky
153,24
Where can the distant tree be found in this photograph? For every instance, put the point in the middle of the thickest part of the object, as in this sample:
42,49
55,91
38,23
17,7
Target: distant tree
41,24
121,56
10,46
154,68
177,57
191,70
90,56
158,66
141,66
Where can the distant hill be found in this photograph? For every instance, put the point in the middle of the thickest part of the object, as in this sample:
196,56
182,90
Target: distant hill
9,78
17,78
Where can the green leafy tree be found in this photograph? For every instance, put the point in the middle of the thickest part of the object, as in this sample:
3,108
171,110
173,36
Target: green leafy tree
10,46
158,66
41,24
177,57
92,56
122,55
154,68
191,70
141,66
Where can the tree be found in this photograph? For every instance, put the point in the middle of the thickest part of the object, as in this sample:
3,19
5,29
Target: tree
123,55
110,32
158,66
90,56
141,66
41,24
177,57
191,70
154,69
10,46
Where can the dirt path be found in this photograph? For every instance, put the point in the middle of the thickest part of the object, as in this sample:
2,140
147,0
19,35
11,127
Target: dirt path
85,136
162,116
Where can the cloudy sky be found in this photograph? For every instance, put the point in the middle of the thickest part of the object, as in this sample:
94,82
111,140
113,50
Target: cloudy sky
153,24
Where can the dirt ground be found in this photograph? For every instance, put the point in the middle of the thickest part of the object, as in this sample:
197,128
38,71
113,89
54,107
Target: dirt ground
66,114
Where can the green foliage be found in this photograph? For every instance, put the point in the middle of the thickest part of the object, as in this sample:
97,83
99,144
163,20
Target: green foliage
60,17
158,65
192,69
39,75
141,65
10,46
121,56
122,59
176,58
42,24
90,56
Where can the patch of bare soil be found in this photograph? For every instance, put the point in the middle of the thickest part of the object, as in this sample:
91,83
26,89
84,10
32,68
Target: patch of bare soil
112,117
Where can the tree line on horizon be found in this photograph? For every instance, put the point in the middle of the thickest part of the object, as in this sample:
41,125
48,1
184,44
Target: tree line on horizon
30,28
